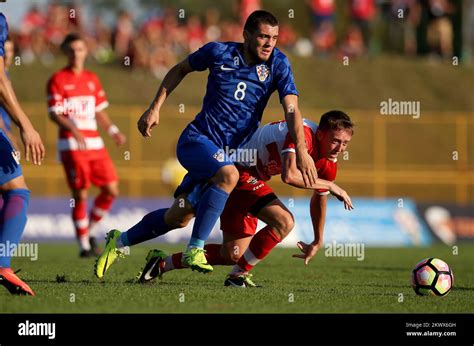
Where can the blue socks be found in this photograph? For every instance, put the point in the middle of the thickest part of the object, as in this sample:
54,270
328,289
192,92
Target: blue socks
151,226
12,221
210,207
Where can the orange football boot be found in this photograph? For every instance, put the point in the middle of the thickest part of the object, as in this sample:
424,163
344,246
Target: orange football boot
13,283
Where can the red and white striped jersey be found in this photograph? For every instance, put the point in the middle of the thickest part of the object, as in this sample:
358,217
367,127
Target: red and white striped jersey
273,140
77,97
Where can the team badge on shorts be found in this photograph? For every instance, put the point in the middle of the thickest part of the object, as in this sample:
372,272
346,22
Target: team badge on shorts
219,155
262,72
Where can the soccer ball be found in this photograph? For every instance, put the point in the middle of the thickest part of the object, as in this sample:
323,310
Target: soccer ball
432,276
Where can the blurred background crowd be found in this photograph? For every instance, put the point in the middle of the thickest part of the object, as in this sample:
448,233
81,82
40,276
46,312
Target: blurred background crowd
154,35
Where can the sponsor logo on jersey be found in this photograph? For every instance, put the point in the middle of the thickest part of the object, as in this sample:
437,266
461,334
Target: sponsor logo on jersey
223,68
262,72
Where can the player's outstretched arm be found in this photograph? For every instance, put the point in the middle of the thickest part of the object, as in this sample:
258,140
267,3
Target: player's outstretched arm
318,218
292,176
151,117
104,121
34,147
293,117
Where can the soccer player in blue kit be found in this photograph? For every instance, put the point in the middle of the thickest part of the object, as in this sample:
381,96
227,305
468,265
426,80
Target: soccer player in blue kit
13,188
242,77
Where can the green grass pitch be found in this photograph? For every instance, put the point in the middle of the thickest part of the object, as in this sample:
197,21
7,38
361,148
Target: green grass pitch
378,284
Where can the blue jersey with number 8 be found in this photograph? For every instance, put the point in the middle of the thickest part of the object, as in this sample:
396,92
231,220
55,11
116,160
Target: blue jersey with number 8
237,93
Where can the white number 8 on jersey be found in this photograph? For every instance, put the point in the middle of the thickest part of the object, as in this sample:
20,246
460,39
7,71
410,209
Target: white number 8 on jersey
239,94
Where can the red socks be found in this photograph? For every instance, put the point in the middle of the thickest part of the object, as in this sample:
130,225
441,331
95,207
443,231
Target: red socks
102,205
261,244
79,216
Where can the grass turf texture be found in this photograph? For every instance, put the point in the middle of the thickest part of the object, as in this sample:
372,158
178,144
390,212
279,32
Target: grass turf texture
327,285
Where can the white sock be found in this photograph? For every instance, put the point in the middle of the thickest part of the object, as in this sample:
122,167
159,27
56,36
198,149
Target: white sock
93,229
84,242
236,270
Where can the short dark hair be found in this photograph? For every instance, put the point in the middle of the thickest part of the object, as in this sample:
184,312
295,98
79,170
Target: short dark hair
259,17
70,38
336,120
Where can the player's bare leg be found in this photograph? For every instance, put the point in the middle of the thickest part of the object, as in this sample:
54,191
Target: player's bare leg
102,204
233,247
279,222
180,213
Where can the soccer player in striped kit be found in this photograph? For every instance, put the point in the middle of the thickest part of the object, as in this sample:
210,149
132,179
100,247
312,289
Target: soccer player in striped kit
76,103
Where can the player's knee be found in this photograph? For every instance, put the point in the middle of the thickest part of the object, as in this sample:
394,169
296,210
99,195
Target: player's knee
112,190
79,195
227,178
285,225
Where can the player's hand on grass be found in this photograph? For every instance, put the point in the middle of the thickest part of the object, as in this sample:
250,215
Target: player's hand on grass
305,164
342,196
34,147
147,121
308,251
119,139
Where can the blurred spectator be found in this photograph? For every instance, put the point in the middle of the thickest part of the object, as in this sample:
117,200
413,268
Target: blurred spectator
246,7
123,34
404,17
324,38
99,41
362,15
440,27
57,25
323,35
195,33
30,39
213,30
74,13
353,43
322,11
158,42
174,35
286,36
231,31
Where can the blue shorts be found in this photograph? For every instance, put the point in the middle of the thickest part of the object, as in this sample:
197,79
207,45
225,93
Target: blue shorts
201,157
9,167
